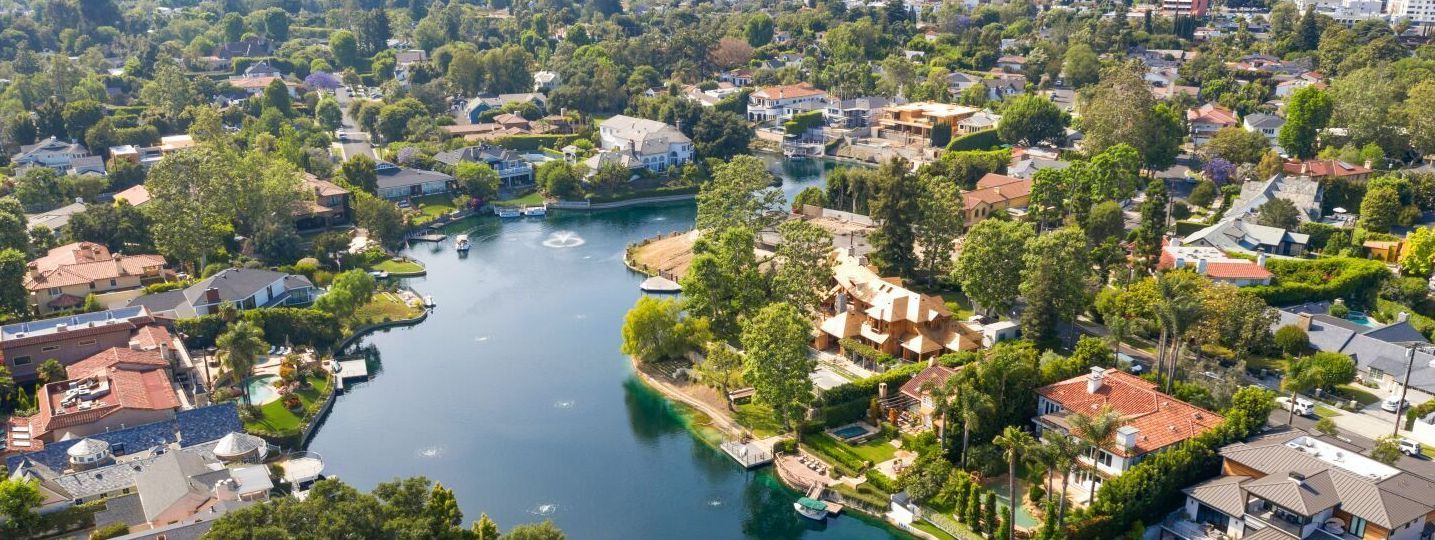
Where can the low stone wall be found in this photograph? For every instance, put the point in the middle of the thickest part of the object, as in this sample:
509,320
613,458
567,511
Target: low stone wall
640,201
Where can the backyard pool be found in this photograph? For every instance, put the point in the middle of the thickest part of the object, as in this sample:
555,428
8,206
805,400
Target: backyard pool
852,432
1360,318
1024,519
261,389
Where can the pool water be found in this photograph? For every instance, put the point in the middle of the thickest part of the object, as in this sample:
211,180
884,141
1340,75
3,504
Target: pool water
1024,519
850,432
1360,318
261,389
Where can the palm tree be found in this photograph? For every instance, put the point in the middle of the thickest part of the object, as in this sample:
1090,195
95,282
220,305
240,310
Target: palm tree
942,404
1178,310
1299,378
1094,430
1065,451
1041,455
240,347
972,406
1016,442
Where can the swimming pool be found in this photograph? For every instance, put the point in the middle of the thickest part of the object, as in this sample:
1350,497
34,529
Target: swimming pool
261,389
851,431
1359,317
1024,519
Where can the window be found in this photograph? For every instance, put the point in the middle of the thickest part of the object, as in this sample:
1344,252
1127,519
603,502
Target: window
86,343
1104,458
112,283
22,360
49,348
1357,526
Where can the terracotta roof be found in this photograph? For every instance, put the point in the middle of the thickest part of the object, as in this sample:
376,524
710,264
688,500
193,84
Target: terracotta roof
140,360
789,91
995,188
1212,113
1236,270
1324,167
937,375
146,390
136,195
84,262
1162,420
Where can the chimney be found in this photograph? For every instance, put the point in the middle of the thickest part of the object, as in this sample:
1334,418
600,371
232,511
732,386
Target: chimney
899,307
932,362
1304,168
34,270
1303,321
1201,266
1261,258
882,390
1369,164
1173,241
211,295
1094,381
1126,436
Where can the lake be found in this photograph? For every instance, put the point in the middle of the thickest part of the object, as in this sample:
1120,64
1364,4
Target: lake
513,393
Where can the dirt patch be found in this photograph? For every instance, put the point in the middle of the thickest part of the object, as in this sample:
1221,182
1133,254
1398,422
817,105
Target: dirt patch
668,256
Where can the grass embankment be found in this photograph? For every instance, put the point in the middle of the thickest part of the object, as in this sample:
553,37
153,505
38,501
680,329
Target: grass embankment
385,306
532,199
758,419
398,266
433,206
275,417
1359,394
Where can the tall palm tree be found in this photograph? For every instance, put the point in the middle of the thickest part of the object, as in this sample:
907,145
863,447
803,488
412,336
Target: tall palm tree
1299,377
972,406
1065,451
1094,430
1016,442
1179,309
1042,455
240,347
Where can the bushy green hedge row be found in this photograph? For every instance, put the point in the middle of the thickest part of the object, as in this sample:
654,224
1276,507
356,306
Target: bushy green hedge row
850,402
295,326
981,140
655,192
866,351
1303,280
882,481
844,459
1185,228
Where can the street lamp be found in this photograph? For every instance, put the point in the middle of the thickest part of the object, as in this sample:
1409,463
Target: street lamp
1405,384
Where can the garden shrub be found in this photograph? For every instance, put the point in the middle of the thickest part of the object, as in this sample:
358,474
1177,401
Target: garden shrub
981,140
113,530
1299,280
882,482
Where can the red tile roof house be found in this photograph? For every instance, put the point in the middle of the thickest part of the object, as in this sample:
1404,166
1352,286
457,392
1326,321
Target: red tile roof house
1206,120
1321,169
1214,264
115,388
915,398
67,274
1150,421
68,339
995,193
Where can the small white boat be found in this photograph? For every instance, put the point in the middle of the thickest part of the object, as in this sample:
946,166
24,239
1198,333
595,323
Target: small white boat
462,243
535,211
428,301
508,212
811,508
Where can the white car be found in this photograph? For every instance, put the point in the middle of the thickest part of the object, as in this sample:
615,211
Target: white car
1303,406
1394,404
1410,448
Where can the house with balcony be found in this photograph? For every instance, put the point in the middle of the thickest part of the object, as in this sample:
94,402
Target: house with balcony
1151,421
856,113
329,208
882,314
1206,120
1289,484
66,275
779,103
70,339
641,143
914,121
245,288
513,171
1240,233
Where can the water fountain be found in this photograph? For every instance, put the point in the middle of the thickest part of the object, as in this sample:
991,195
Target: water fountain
563,239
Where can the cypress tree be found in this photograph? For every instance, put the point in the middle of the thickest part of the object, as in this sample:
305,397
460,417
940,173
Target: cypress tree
989,514
973,514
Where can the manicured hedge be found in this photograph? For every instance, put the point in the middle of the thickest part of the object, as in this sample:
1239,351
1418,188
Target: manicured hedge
1301,280
655,192
296,326
982,140
865,351
850,402
1185,228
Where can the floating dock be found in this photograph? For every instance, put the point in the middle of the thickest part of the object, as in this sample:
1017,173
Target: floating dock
661,285
350,370
431,237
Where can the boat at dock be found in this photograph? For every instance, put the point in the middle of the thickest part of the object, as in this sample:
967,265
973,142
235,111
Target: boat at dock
462,243
507,212
428,301
535,211
811,508
660,285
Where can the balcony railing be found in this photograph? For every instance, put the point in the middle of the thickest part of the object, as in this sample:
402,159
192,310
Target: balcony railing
1268,518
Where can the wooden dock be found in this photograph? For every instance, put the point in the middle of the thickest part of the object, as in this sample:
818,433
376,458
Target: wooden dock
350,370
431,237
750,454
660,285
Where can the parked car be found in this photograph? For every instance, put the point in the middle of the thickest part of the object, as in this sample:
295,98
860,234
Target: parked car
1394,404
1410,448
1303,406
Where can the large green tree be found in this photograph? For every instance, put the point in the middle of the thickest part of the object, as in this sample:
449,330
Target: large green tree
896,211
723,282
740,194
1307,112
990,265
240,348
657,329
1031,119
1054,282
940,222
777,367
804,267
13,298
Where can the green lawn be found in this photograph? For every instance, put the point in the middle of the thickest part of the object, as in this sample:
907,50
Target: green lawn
531,199
758,419
932,530
433,206
398,266
876,450
1428,450
1325,412
385,305
1357,393
275,417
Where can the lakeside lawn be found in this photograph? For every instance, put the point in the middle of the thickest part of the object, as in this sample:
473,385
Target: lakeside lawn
274,417
758,419
433,206
398,266
384,306
876,450
532,199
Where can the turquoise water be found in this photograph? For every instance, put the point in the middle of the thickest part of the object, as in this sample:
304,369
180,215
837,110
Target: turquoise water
1359,317
1024,519
850,432
261,389
513,393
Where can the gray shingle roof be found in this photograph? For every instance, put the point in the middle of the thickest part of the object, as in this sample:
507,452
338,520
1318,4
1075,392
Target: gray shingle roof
1301,191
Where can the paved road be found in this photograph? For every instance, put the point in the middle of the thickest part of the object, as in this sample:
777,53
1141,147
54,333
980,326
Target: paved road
358,142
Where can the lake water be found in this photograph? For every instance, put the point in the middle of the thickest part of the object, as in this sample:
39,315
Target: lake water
513,394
